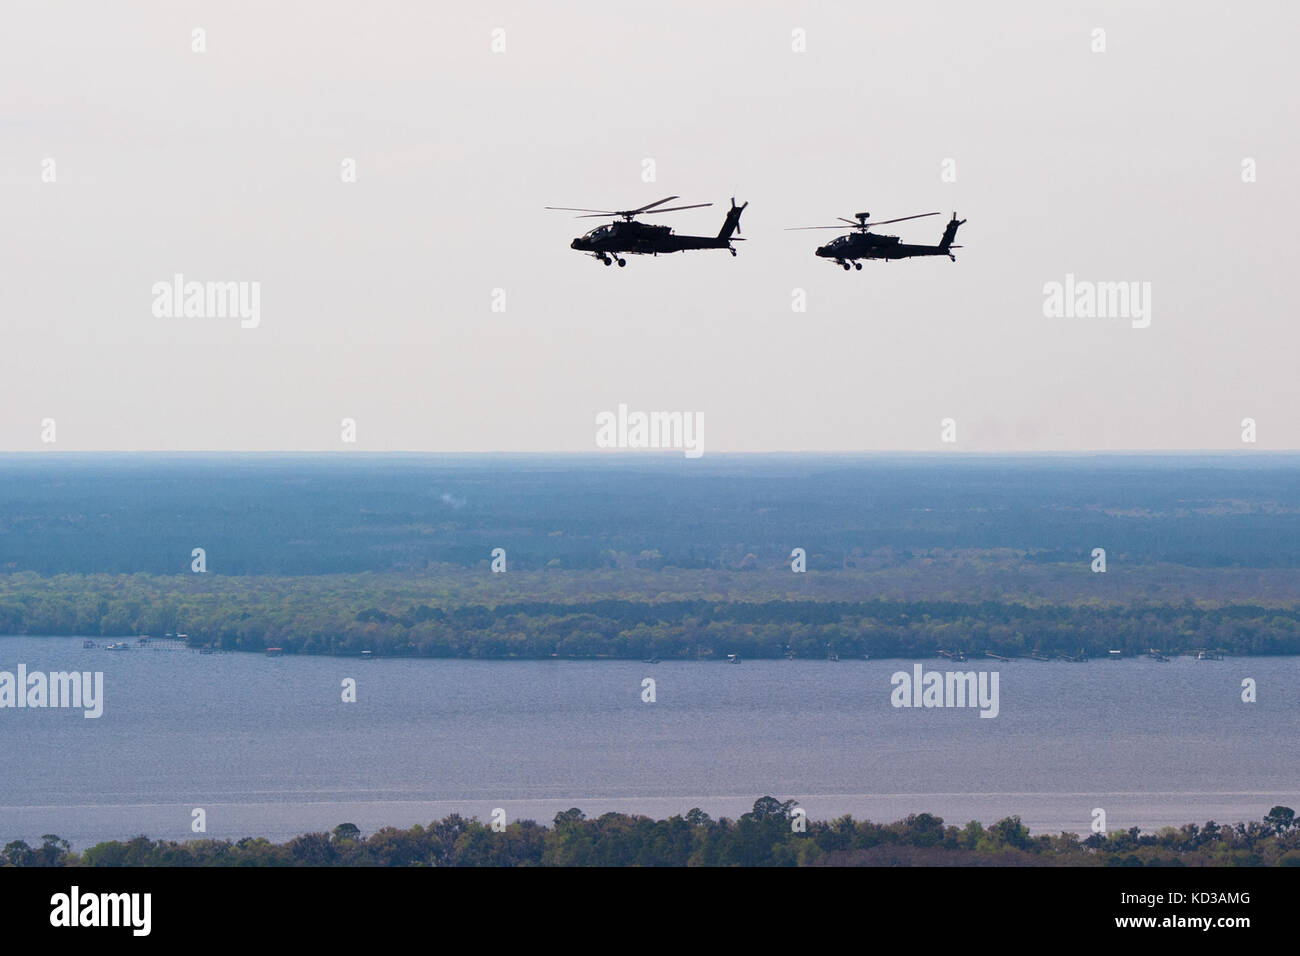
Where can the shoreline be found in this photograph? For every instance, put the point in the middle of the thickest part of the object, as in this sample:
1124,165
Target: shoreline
156,644
791,835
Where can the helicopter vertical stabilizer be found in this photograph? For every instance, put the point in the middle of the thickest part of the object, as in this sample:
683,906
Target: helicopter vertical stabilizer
950,233
732,223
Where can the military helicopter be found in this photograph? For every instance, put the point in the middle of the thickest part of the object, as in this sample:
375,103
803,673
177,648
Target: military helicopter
606,242
863,244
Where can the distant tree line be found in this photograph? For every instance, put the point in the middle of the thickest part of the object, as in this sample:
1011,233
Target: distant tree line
405,616
306,515
769,835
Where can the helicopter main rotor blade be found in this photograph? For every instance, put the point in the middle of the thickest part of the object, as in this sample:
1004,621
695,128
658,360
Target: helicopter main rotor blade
851,222
800,228
885,222
648,212
627,213
698,205
644,208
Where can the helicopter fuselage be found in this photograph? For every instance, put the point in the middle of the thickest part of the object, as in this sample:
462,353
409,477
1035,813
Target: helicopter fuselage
642,239
608,243
870,245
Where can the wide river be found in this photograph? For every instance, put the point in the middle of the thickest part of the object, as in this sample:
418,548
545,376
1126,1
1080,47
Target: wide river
266,746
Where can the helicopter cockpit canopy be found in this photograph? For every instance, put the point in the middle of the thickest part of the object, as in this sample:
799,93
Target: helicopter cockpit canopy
601,232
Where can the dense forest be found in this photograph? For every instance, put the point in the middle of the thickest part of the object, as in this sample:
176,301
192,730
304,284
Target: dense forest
334,514
656,557
772,834
561,614
414,616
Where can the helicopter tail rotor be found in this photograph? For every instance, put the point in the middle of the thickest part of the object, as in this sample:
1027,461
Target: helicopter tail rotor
950,233
731,224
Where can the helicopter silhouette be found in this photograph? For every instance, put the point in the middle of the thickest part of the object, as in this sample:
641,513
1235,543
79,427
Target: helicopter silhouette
625,235
861,243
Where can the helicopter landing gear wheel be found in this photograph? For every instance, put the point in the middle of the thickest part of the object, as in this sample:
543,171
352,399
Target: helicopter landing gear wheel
733,253
622,263
845,265
605,259
858,266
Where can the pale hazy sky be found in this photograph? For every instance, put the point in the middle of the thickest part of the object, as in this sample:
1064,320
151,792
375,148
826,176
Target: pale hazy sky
376,296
